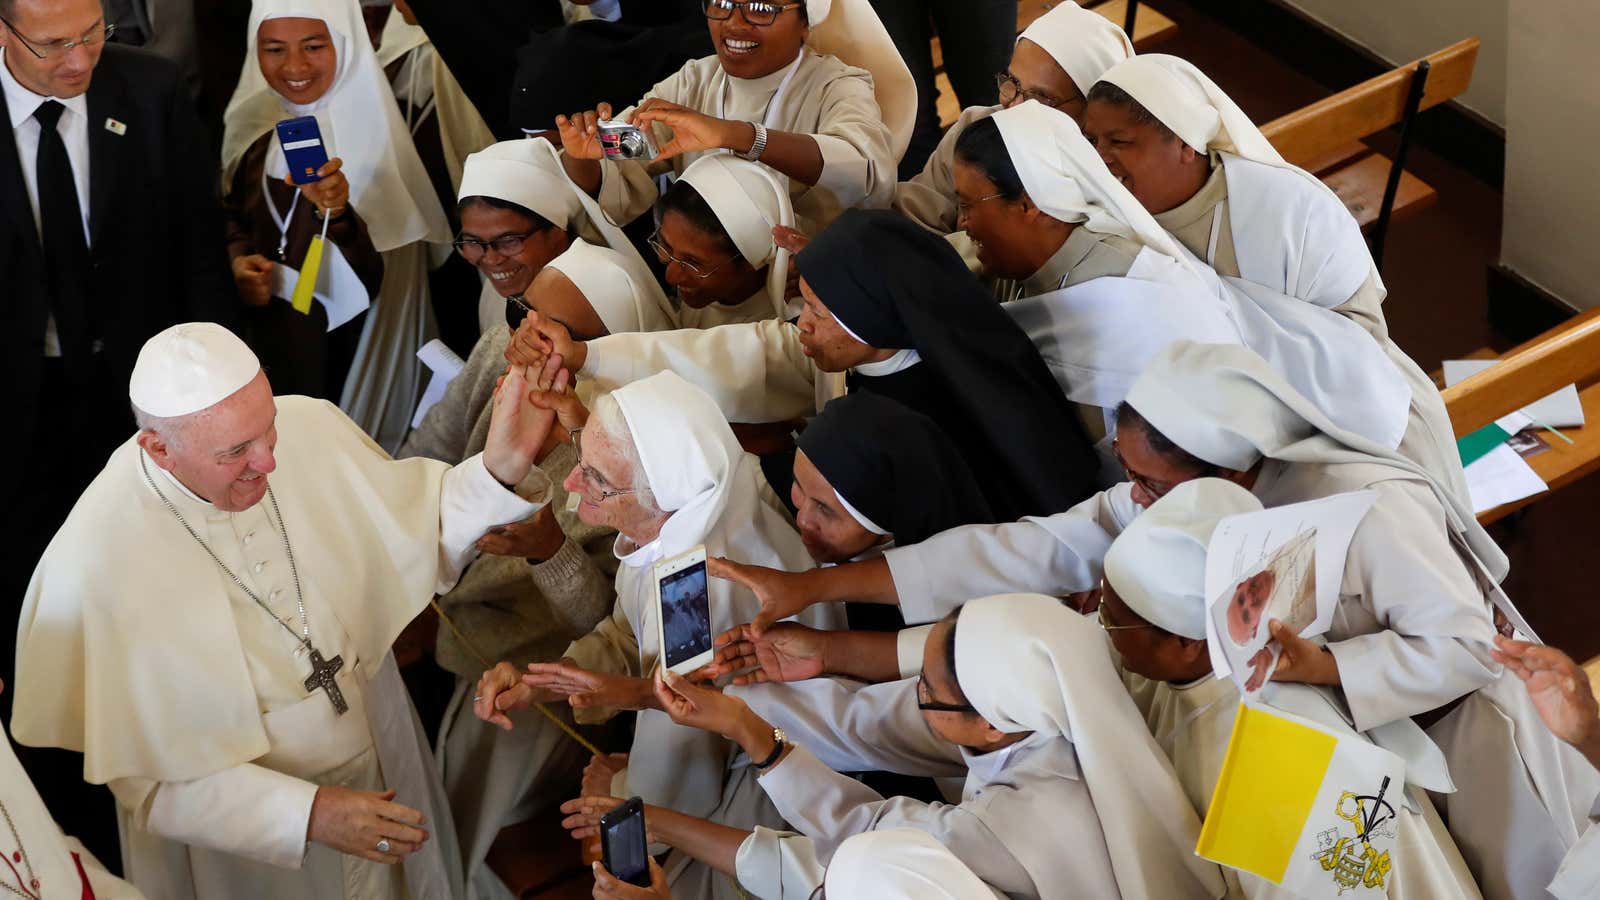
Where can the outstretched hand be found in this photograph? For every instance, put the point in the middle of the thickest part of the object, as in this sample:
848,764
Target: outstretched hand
782,594
538,338
1559,689
692,129
585,689
580,135
698,706
518,429
788,651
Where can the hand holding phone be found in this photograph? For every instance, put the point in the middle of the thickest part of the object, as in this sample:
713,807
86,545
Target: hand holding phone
624,850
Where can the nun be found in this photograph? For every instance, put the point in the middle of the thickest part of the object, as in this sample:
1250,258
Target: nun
1211,178
1154,609
1066,792
1056,60
1412,633
889,309
518,211
539,584
716,242
815,90
314,58
658,463
1103,287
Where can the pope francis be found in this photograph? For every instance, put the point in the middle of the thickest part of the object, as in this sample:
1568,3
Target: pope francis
216,642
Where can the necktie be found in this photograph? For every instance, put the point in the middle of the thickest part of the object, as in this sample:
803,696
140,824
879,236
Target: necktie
66,253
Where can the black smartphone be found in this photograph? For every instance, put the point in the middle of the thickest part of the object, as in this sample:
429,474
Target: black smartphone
623,848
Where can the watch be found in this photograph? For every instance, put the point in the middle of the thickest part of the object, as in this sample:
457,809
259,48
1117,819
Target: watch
779,740
758,146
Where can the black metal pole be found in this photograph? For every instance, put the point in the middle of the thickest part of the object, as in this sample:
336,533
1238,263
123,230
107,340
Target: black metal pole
1127,21
1380,229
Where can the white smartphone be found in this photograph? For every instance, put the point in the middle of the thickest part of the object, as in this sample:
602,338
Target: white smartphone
683,612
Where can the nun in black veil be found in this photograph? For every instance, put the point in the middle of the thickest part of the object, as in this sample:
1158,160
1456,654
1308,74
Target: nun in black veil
962,363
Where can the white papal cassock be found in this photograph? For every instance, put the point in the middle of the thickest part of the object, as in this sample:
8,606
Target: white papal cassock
190,702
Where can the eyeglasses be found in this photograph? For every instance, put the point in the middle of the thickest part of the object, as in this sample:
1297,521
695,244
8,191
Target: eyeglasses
963,208
1156,489
931,705
756,12
472,249
100,33
668,259
1010,89
1110,627
593,481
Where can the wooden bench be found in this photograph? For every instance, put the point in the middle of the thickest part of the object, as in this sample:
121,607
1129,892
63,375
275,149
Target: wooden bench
1566,354
1150,28
1325,137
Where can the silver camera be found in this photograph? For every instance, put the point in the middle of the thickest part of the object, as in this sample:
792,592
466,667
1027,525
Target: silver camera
620,140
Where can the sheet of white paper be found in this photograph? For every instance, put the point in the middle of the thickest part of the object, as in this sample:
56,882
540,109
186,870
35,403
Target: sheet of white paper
1316,535
1501,476
445,366
339,288
1561,409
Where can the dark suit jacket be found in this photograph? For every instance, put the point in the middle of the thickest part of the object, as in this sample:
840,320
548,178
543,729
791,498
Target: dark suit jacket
156,237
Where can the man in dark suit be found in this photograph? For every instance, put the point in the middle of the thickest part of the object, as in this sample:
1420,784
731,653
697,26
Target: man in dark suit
109,232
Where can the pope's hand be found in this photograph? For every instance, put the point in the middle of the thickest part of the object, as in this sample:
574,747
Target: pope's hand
583,688
609,887
580,135
782,594
1559,689
788,651
353,822
518,428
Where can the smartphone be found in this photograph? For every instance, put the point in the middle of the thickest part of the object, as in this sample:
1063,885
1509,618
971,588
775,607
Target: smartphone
301,140
683,608
623,848
620,140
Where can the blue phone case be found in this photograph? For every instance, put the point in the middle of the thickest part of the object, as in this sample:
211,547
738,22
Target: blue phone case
302,148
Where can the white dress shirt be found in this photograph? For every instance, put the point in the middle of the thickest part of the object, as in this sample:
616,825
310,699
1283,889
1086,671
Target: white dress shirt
74,129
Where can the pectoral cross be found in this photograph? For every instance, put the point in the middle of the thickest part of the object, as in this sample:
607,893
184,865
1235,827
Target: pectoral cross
322,678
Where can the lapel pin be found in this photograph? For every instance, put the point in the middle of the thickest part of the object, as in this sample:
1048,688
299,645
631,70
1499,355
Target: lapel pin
115,127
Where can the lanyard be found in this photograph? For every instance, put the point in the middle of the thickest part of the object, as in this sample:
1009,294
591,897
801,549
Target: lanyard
281,221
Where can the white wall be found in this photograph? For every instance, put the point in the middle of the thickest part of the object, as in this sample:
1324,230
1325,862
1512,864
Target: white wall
1398,31
1551,234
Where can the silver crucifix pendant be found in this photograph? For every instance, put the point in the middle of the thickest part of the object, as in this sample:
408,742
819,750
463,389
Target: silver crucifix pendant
322,678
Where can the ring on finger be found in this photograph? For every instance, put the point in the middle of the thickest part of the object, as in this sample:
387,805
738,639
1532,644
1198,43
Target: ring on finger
383,845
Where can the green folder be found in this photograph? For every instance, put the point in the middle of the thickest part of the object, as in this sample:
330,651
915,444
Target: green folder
1476,445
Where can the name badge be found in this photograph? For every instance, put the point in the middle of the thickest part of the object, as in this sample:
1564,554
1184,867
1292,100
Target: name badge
115,127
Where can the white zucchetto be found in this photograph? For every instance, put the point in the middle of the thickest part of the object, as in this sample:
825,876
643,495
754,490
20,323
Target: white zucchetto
190,367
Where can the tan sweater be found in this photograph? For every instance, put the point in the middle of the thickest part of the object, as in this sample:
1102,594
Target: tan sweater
508,608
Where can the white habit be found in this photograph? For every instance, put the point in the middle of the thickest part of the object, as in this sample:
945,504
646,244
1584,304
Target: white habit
190,701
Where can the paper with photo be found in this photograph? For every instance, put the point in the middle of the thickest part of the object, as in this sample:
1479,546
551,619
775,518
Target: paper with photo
444,365
1282,563
339,288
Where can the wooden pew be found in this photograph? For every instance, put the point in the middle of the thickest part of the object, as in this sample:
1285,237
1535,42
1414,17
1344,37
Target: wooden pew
1566,354
1150,28
1325,137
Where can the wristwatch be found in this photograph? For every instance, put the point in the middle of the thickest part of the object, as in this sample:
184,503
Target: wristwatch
758,146
779,739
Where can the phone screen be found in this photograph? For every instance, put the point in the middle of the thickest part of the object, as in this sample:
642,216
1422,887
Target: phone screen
625,850
685,614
